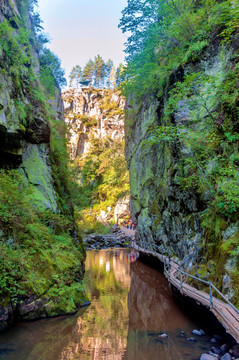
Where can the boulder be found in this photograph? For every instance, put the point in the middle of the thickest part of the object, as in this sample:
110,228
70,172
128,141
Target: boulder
207,357
122,210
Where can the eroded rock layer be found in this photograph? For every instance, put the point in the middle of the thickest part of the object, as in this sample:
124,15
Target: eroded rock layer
92,114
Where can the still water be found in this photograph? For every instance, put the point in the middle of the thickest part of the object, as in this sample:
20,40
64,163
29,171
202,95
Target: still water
131,304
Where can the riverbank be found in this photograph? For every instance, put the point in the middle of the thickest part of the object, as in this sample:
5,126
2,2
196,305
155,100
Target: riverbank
119,237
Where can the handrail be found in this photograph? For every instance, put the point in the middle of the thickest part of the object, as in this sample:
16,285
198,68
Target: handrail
168,264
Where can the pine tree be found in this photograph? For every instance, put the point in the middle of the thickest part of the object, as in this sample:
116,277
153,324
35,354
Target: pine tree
75,75
88,72
99,70
120,74
108,67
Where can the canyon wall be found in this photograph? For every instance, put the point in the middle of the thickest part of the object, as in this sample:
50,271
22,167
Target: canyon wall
42,256
92,114
184,169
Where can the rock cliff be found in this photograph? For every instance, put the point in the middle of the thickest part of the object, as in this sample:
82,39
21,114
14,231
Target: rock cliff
95,123
92,114
36,220
181,149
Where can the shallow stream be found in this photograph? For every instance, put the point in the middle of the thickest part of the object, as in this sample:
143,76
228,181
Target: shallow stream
131,305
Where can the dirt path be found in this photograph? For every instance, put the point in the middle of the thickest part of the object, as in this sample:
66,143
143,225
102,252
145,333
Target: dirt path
128,232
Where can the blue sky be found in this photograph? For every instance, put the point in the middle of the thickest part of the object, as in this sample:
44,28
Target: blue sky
81,29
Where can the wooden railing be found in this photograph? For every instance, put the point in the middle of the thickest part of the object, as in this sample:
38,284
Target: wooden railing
224,310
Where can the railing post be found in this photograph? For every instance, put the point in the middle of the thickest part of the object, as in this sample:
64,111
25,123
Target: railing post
210,290
181,282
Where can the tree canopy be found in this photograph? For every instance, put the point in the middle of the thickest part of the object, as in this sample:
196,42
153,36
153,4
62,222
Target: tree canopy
166,34
98,73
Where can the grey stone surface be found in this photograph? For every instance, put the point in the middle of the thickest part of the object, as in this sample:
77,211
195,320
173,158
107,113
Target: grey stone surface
207,357
37,169
165,212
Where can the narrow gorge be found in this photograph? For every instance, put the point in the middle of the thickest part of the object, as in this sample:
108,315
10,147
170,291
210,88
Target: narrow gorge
95,123
110,181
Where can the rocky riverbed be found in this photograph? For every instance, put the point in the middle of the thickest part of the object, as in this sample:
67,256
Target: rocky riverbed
117,238
220,349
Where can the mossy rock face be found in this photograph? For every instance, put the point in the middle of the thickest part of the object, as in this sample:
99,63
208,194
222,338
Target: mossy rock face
8,111
57,301
170,211
36,167
40,249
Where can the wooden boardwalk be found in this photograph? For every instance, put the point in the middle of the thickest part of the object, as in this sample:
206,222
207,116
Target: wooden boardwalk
226,313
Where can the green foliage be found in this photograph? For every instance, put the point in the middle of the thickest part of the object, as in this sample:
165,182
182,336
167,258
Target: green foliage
169,50
88,72
75,75
99,70
104,179
60,165
10,274
14,49
34,244
167,35
88,121
14,209
110,107
51,73
98,73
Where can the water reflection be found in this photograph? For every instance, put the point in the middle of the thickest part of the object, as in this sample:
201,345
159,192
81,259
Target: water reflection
105,324
152,311
130,305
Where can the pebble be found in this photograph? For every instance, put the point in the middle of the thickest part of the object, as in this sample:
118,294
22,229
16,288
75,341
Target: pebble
197,332
216,350
213,340
191,339
182,333
163,335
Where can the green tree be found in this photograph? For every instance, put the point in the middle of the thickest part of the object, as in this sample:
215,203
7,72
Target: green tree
136,19
51,72
75,75
108,67
88,72
99,70
120,74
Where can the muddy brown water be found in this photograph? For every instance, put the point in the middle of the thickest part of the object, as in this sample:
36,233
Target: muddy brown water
131,305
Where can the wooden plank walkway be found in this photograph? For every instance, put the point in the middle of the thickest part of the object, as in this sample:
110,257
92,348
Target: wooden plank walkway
224,312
